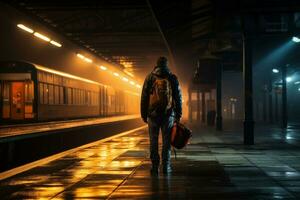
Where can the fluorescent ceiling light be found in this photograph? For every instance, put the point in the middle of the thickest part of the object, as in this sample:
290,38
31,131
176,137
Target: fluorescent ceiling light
41,36
25,28
103,68
55,43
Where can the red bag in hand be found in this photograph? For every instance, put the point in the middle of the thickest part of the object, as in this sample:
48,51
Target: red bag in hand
180,135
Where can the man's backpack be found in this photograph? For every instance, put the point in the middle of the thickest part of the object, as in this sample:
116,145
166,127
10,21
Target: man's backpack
180,135
161,95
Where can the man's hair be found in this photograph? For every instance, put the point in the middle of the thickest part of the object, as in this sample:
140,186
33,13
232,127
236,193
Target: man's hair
162,61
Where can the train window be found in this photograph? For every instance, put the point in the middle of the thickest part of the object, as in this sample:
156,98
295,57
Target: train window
41,76
51,94
65,95
28,91
74,96
46,92
81,97
61,95
49,78
41,93
6,92
88,98
56,94
69,96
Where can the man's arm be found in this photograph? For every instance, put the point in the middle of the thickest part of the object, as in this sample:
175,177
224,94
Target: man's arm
177,96
145,98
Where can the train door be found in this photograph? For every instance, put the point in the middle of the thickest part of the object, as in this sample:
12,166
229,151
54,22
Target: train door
17,100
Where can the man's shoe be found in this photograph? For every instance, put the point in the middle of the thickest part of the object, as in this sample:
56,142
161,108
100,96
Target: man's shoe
167,169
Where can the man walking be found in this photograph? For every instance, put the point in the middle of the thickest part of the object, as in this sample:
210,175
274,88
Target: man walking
161,107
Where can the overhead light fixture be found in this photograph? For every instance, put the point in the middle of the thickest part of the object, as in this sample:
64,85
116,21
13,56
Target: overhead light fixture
84,58
288,79
116,74
297,83
138,86
125,79
55,43
80,56
41,36
103,68
275,71
88,60
132,82
296,39
25,28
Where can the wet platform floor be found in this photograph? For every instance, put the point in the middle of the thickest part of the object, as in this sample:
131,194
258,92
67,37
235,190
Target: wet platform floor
208,168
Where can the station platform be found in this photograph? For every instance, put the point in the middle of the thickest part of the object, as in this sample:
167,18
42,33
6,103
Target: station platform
215,165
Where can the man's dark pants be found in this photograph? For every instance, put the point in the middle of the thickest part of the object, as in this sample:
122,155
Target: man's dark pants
164,123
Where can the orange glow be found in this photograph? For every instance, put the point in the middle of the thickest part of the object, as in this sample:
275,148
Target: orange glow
132,82
116,74
25,28
41,36
84,58
55,43
127,72
88,60
138,86
125,79
65,74
103,68
80,56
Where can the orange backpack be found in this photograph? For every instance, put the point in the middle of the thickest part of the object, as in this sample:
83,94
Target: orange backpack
161,95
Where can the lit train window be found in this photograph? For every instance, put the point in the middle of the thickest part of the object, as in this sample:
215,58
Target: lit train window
56,94
61,95
46,92
41,93
51,94
69,99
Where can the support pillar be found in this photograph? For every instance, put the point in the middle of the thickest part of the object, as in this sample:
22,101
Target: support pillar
264,104
219,125
270,92
284,97
203,107
276,106
190,105
248,91
198,106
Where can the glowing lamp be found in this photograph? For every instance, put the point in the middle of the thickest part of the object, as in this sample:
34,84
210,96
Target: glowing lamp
296,39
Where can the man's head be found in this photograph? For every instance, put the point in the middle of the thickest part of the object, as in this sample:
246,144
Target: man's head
162,62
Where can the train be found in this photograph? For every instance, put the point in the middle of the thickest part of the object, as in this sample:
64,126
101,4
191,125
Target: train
31,92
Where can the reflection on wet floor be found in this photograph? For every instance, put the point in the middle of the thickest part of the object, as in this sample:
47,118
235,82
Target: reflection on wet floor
214,166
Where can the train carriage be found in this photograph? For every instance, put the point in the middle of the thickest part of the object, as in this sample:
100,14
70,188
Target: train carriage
31,92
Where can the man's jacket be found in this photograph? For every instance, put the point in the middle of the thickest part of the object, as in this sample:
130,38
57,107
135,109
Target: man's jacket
163,72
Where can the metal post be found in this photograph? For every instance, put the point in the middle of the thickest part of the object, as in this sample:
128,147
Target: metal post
190,105
264,104
219,124
284,97
276,106
203,107
248,92
270,92
198,105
